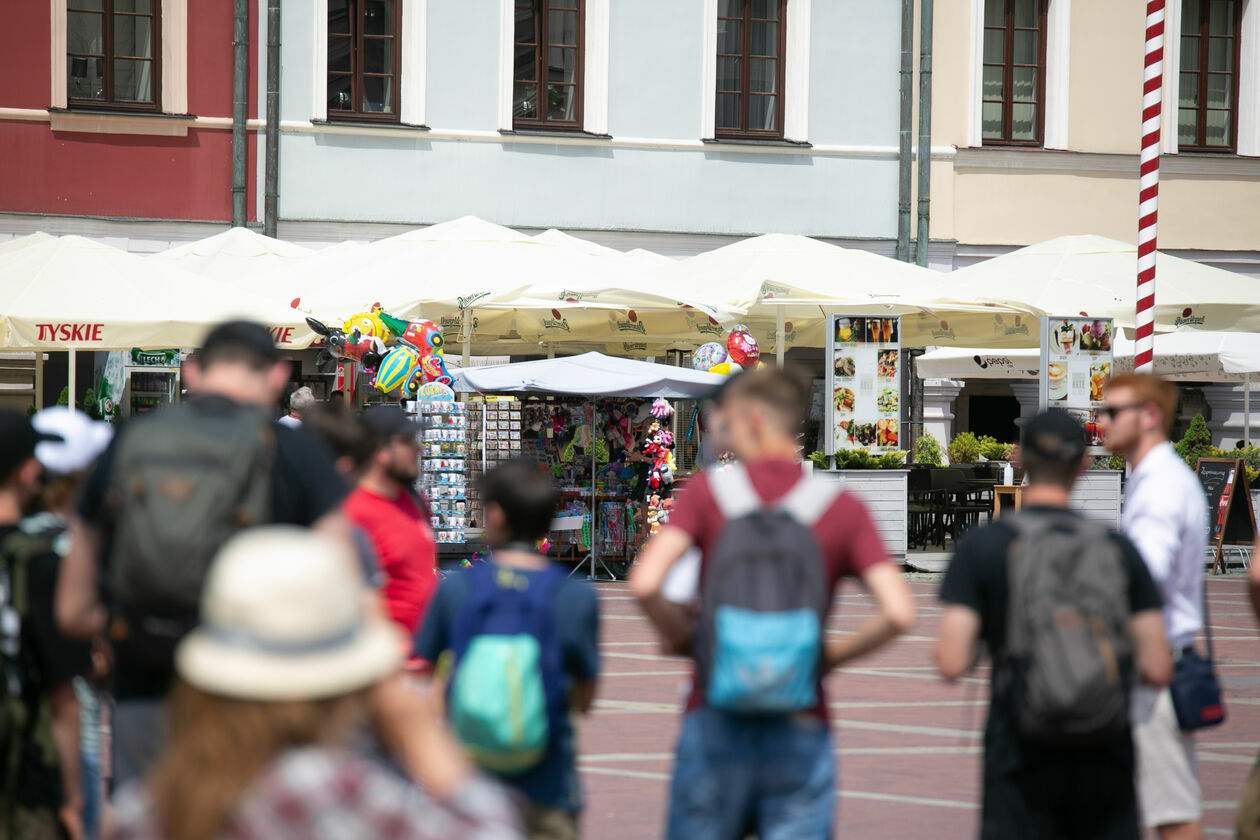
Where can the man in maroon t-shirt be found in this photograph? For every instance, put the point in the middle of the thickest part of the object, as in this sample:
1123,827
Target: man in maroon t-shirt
386,507
771,774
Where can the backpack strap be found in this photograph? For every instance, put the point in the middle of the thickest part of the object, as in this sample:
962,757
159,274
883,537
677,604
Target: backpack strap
733,491
810,499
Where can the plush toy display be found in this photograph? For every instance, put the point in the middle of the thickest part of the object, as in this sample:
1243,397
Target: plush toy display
708,355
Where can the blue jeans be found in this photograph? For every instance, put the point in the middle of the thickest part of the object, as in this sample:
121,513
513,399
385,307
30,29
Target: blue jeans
737,774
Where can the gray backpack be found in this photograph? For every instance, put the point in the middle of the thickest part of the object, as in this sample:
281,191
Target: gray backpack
1067,639
184,481
764,599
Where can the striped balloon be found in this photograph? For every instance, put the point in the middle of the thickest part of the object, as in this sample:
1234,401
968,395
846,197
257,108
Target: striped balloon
396,368
1148,187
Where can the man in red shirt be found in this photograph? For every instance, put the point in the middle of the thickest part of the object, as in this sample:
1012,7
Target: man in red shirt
388,509
772,774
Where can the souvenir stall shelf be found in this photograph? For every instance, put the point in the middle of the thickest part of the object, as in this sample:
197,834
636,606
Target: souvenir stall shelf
444,469
494,434
578,422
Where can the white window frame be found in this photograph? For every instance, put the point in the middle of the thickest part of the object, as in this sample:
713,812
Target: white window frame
1058,74
174,42
594,65
1248,114
412,99
795,72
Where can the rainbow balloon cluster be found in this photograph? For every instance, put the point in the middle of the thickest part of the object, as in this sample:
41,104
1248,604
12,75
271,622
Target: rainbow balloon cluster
403,354
740,353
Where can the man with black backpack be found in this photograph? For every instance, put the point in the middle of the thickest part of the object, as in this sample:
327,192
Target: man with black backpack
755,753
1068,613
516,641
171,489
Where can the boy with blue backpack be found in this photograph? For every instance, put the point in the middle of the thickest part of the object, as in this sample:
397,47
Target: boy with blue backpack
755,754
517,643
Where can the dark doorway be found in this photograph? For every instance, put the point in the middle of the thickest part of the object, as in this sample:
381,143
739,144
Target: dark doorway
995,417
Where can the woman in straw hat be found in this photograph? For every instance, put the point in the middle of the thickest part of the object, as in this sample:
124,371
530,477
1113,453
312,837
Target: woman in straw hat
286,660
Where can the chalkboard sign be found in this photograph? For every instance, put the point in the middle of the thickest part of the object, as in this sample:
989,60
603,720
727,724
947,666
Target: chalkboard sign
1232,519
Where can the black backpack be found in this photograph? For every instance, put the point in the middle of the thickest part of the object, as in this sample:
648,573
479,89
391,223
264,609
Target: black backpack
23,718
765,597
183,481
1067,642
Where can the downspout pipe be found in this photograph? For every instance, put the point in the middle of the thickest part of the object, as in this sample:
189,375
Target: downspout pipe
925,131
240,107
272,164
904,133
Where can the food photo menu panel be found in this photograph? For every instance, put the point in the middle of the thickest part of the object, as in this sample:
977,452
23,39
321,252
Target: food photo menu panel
864,383
1078,357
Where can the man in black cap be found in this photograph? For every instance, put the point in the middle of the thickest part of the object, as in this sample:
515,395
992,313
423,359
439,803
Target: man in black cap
1069,617
174,486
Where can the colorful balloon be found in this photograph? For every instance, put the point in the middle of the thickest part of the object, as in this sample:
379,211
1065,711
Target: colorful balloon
368,324
397,369
425,336
742,347
725,368
708,355
433,369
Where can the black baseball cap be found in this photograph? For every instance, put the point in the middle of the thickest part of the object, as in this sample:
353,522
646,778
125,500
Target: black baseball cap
1054,435
17,440
239,341
389,421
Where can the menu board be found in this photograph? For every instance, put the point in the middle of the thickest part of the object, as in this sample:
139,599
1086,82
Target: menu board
1233,521
864,383
1077,359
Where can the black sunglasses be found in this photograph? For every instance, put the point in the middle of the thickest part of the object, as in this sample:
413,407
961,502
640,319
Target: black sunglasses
1111,412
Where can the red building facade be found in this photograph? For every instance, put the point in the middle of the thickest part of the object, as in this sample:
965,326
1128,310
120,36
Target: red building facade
122,109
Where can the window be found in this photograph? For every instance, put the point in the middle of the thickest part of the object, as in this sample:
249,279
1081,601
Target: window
363,59
547,64
1207,95
1013,85
113,54
750,48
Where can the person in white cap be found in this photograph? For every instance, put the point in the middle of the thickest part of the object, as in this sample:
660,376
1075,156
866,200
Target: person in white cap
46,790
286,659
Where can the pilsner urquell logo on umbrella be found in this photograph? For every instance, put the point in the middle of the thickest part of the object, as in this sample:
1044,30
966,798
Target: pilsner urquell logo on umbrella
631,323
1188,318
555,322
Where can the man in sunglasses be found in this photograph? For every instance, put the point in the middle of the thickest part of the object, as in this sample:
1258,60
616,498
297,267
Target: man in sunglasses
1166,516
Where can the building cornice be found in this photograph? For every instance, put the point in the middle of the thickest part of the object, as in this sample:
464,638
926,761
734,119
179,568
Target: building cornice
1050,160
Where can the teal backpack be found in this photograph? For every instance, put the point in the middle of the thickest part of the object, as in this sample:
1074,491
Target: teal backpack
507,689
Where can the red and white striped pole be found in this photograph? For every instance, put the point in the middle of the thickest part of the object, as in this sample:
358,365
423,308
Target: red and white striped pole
1148,186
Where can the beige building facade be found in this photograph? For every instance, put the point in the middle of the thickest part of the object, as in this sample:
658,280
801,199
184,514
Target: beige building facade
1036,116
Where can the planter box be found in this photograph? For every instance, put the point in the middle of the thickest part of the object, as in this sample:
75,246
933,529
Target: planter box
1097,496
884,494
1255,503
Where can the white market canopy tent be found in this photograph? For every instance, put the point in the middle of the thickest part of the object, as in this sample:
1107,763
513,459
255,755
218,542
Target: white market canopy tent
72,293
1187,355
1097,277
590,375
239,256
789,284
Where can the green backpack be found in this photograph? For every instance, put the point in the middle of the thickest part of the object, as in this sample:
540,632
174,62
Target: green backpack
184,481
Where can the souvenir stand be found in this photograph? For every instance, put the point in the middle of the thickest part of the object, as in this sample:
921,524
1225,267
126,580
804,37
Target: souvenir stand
576,417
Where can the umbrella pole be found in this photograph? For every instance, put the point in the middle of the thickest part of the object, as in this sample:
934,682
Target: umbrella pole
551,350
779,330
39,379
70,378
1247,409
467,336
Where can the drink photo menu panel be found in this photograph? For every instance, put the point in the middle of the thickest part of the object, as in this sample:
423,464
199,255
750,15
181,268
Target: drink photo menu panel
1078,358
864,383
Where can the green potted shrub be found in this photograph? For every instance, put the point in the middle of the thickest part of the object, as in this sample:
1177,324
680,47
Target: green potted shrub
927,451
1197,443
963,449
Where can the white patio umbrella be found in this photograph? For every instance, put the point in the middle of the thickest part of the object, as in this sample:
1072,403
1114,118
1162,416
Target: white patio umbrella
1093,276
788,284
238,256
71,293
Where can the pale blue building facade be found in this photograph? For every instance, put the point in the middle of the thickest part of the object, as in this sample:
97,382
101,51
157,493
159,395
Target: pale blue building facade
643,156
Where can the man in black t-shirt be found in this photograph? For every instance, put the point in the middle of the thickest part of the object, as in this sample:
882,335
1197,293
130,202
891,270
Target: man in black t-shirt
238,365
1032,792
